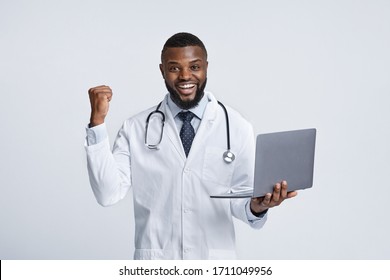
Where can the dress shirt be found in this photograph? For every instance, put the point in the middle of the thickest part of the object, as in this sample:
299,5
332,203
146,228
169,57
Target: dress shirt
198,111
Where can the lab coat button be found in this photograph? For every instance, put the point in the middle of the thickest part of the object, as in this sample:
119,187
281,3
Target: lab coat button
187,170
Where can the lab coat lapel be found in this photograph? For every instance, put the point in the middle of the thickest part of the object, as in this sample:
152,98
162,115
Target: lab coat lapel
171,130
205,128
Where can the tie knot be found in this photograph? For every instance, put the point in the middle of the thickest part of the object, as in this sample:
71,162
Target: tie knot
186,116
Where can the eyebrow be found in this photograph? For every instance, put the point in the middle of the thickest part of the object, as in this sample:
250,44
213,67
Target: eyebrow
192,61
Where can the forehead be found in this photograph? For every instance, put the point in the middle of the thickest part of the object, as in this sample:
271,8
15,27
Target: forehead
183,54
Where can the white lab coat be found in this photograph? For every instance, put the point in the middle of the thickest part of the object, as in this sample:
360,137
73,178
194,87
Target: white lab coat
174,216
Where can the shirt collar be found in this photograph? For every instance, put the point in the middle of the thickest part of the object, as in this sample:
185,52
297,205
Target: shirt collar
197,110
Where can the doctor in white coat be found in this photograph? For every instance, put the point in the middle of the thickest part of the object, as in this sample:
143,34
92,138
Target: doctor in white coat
175,218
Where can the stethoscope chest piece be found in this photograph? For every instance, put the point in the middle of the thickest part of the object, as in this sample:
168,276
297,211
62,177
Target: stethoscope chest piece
228,156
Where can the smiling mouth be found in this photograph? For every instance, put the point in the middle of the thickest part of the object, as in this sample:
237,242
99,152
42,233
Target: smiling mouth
186,89
186,86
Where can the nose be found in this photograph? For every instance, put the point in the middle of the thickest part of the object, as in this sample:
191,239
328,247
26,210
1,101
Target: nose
185,74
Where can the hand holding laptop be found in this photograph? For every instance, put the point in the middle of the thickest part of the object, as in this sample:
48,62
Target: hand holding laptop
279,194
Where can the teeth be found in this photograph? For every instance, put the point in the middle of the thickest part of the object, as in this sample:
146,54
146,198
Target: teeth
187,86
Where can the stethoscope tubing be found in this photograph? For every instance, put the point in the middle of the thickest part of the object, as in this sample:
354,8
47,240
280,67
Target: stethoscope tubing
228,156
227,125
157,111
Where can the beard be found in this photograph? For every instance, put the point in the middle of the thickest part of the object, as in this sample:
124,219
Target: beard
186,105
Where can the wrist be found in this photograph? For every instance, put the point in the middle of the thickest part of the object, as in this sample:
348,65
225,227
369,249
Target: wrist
260,213
257,210
95,121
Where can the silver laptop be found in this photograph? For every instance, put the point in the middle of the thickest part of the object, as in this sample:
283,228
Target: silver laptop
287,155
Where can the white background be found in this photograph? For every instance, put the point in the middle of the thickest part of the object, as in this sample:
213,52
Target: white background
283,64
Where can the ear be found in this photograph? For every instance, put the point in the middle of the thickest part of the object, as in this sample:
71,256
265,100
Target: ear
162,70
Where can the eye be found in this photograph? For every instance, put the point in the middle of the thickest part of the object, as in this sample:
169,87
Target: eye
174,69
195,67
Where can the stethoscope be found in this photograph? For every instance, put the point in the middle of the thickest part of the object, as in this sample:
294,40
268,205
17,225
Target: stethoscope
227,156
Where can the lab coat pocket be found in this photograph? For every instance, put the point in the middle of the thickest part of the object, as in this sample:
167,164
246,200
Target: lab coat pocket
215,169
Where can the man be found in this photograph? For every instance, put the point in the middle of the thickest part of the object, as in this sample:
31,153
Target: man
175,218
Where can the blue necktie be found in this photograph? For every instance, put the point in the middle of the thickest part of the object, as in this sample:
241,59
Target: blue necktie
187,132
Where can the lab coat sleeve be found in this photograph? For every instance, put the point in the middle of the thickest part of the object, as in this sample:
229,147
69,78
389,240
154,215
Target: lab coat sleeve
243,180
109,172
252,218
96,134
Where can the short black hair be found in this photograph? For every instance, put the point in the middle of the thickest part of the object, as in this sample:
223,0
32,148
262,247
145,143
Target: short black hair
181,40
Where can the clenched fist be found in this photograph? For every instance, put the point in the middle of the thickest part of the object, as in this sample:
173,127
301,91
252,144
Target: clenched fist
99,97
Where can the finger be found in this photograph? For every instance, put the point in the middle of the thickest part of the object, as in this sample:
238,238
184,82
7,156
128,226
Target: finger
95,88
109,96
100,89
292,194
258,200
284,189
266,200
276,193
104,94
